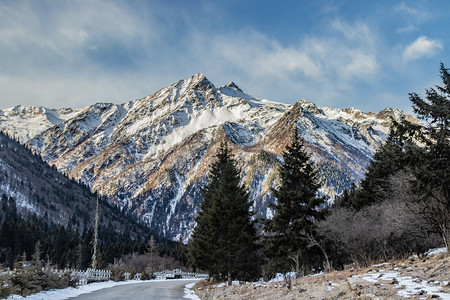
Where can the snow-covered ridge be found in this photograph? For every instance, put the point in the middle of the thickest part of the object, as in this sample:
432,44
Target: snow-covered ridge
25,122
151,155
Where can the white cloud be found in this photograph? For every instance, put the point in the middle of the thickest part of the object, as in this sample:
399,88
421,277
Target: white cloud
360,64
258,55
67,31
421,47
60,57
406,29
355,32
419,14
324,65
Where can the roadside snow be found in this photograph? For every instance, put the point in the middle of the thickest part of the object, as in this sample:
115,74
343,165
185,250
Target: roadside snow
72,292
437,251
189,293
89,288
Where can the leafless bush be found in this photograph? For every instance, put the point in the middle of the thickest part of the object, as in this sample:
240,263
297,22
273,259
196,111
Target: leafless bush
360,235
314,242
401,214
398,226
421,220
144,264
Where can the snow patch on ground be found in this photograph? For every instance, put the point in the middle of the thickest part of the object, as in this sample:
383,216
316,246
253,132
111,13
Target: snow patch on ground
408,286
189,293
437,251
282,277
72,292
89,288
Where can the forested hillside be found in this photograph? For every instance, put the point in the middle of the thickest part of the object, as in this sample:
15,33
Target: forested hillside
39,206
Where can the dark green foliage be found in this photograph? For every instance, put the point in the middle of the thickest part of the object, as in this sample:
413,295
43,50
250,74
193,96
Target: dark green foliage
224,240
435,111
35,280
388,160
345,200
432,169
64,247
26,280
297,209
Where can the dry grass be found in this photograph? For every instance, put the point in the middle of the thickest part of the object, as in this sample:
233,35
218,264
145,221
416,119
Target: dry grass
346,284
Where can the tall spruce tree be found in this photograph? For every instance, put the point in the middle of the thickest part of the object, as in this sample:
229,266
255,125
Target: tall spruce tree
297,208
432,168
224,240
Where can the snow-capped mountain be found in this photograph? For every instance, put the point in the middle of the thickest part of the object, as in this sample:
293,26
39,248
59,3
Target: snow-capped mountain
151,156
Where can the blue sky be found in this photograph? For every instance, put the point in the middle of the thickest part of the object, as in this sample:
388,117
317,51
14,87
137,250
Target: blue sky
363,54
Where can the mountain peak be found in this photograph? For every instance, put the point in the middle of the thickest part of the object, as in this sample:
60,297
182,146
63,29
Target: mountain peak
233,86
198,77
309,106
199,81
231,89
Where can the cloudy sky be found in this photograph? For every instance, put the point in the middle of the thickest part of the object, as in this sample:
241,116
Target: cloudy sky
365,54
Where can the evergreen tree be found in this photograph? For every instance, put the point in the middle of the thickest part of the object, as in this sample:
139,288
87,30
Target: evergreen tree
152,247
37,254
295,212
387,160
345,200
224,240
432,168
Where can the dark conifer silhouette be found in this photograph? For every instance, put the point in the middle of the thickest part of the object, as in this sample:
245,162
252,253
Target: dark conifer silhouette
297,208
224,240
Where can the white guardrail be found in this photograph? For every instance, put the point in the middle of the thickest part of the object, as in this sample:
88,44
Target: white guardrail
177,273
90,275
102,275
84,276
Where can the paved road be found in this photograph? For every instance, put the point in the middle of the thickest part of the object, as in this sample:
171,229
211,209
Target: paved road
158,290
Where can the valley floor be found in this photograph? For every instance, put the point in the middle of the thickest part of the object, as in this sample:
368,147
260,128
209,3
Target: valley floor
411,278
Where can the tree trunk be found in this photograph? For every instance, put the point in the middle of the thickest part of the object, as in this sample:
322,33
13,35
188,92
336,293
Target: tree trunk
229,278
446,237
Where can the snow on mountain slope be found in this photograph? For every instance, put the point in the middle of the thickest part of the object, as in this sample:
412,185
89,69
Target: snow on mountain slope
151,156
25,122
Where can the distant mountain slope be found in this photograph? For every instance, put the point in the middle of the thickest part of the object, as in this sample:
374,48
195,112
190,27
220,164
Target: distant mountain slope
25,122
41,190
150,157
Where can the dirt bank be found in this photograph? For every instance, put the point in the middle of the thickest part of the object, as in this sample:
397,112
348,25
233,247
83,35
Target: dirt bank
411,278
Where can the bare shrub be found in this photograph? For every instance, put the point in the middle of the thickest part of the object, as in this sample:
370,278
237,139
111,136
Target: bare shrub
360,235
417,223
144,264
397,227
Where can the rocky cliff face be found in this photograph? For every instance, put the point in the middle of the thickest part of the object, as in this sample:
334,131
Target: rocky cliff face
151,156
